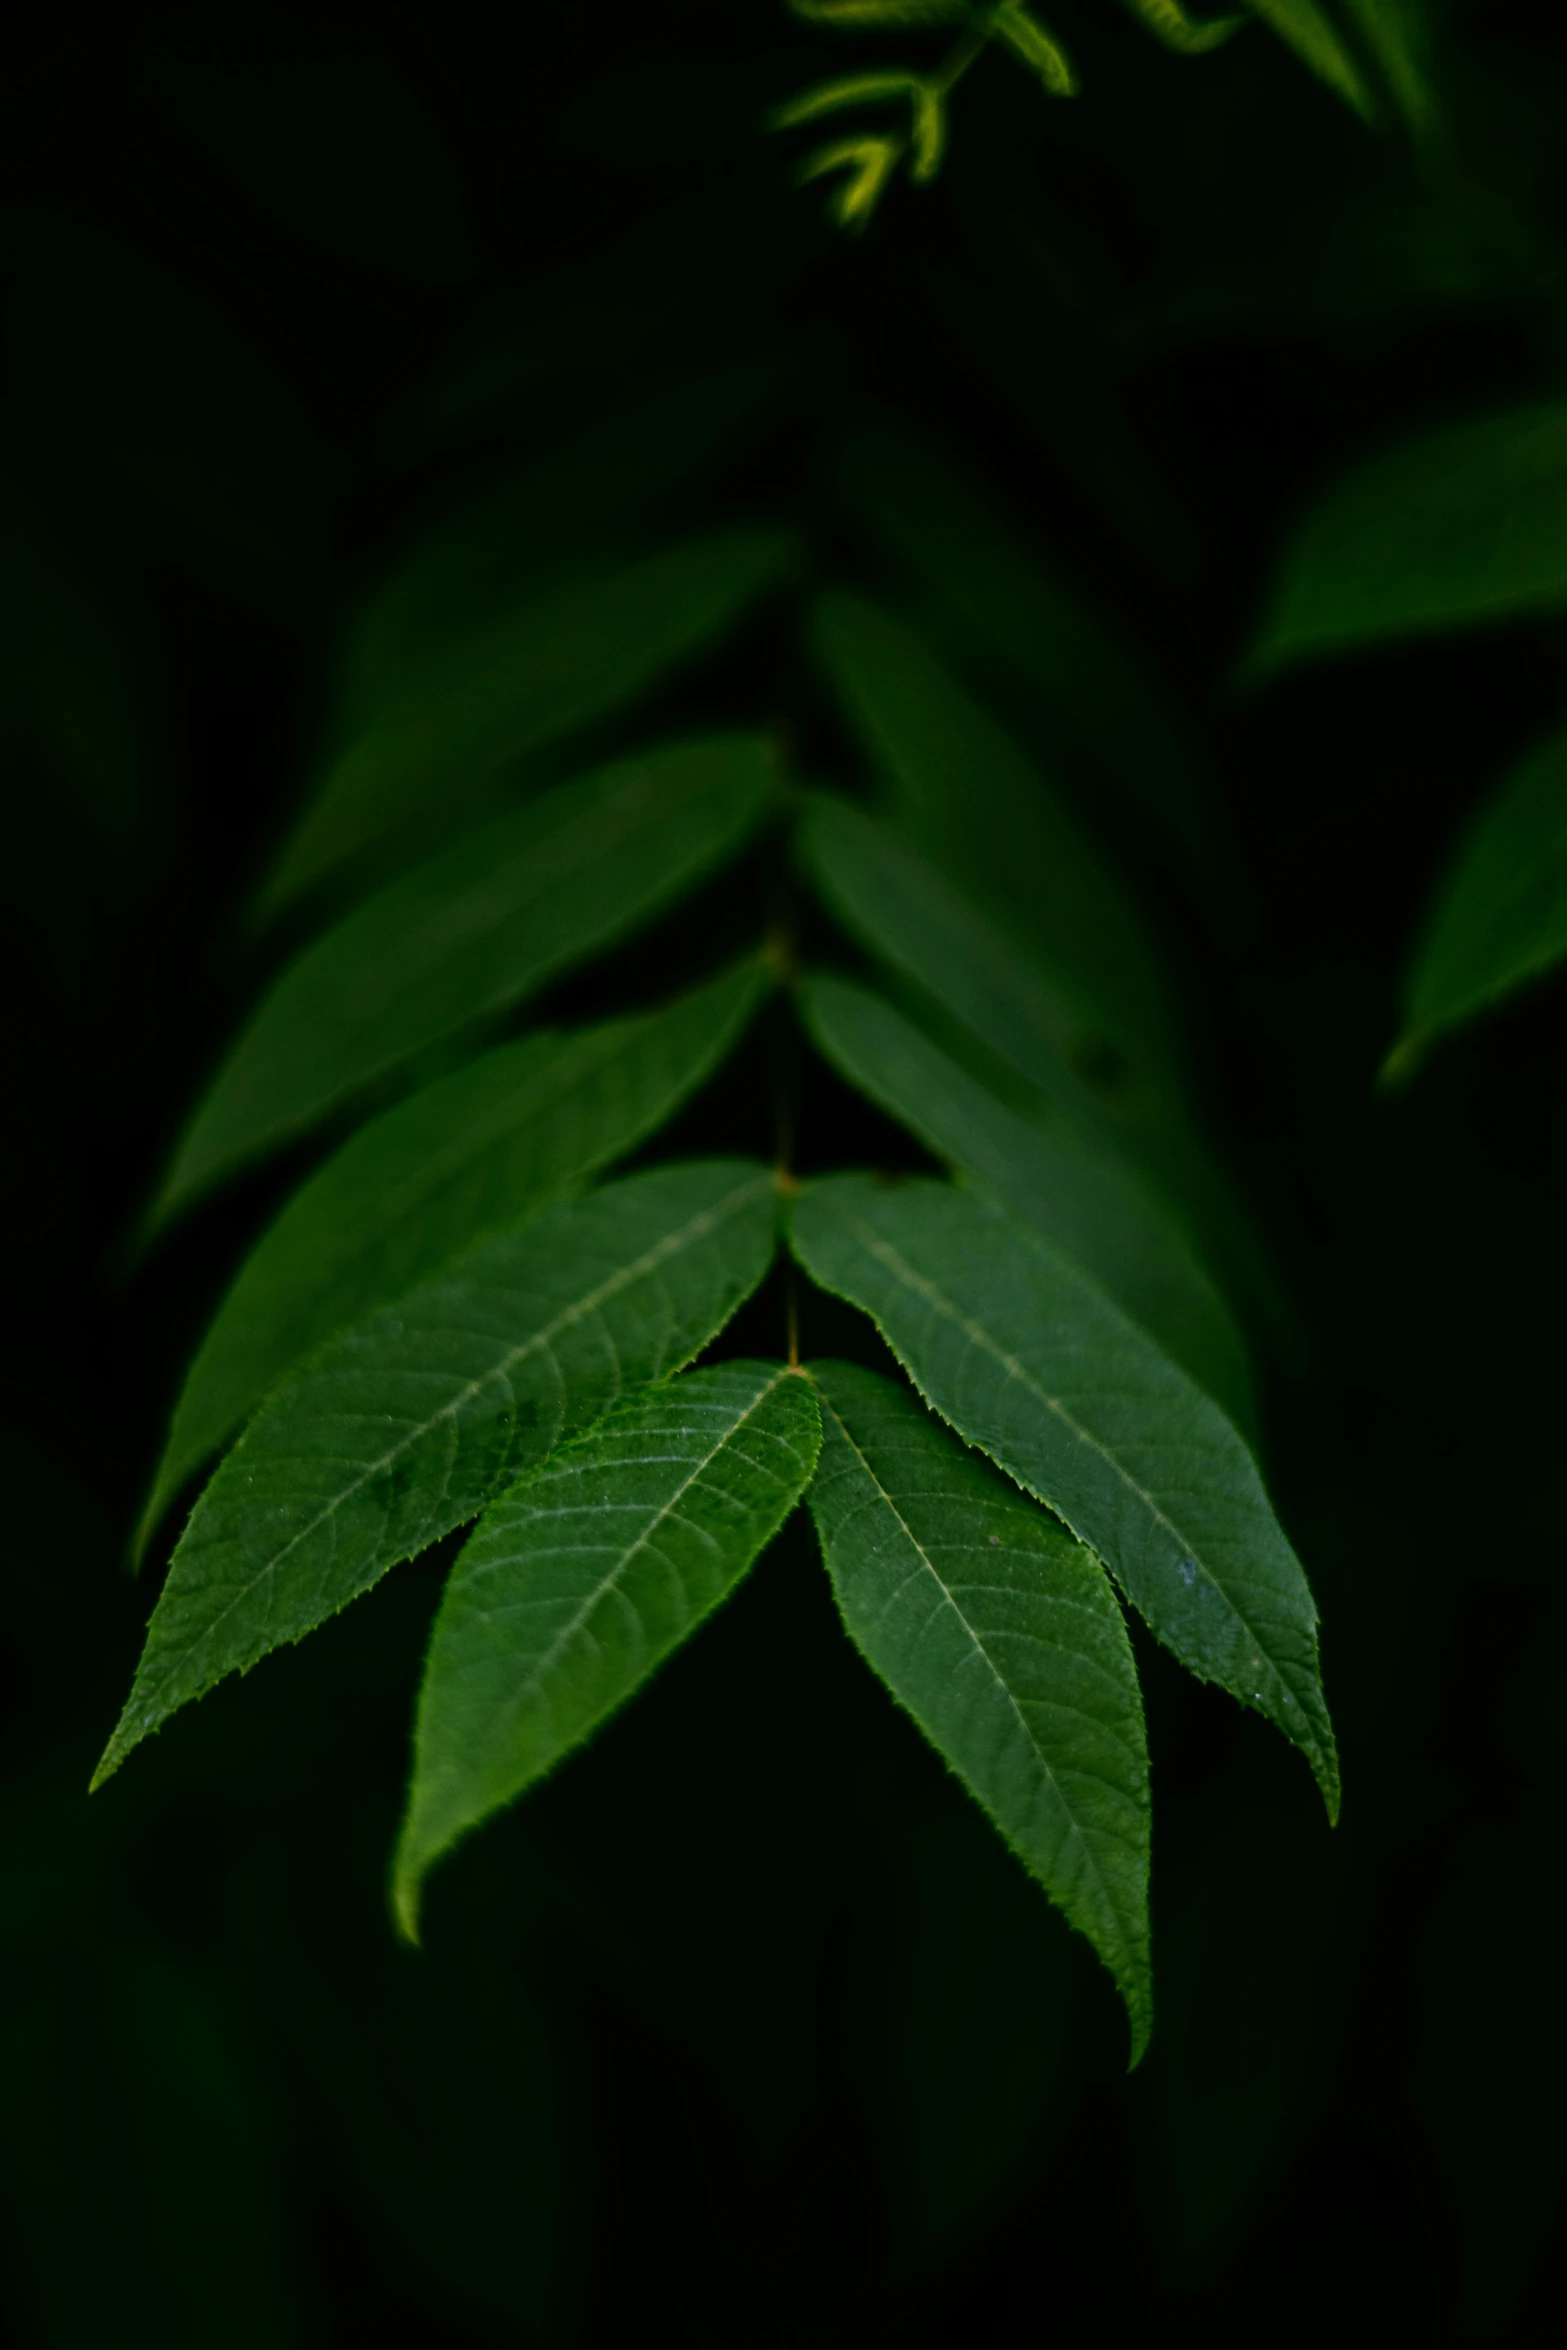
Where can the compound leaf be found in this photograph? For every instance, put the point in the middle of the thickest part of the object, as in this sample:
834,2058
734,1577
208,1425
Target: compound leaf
407,1424
490,1144
1075,1188
1002,1637
1030,1361
567,656
579,1581
1452,530
1500,914
467,934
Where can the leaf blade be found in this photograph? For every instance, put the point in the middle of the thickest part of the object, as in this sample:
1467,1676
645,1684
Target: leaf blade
1012,1345
1076,1190
566,657
1000,1635
581,1579
1456,528
493,1142
478,928
1498,918
407,1424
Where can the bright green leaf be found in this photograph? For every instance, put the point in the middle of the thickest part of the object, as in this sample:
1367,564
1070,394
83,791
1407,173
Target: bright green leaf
573,654
966,794
1006,601
1075,1188
467,934
1028,1360
1003,1639
409,1423
1500,914
494,1142
1455,529
581,1579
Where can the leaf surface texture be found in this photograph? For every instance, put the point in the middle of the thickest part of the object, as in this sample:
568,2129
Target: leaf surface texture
1001,1636
492,1143
580,1580
1082,1195
1030,1361
406,1425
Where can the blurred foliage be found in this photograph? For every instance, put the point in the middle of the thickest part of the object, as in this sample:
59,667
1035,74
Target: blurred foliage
704,2036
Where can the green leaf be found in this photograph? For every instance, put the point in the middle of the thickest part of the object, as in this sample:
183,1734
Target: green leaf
409,1423
964,792
906,910
1075,1188
496,1141
1499,918
467,934
1307,29
1003,1639
572,654
1028,1360
533,529
1008,603
1453,530
580,1580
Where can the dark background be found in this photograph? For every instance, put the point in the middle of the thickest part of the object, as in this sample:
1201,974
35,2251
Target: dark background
745,2028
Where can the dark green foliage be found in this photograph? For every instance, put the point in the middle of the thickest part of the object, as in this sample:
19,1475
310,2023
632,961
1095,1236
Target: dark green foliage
675,808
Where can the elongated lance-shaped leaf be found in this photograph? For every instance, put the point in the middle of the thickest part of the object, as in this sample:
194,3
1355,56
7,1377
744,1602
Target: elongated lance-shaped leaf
1030,1361
1080,1193
579,1581
1011,611
1455,529
406,1425
567,657
959,786
1001,1636
494,1142
528,532
1499,918
907,911
473,931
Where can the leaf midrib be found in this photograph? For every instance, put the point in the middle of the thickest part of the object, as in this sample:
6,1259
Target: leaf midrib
623,1564
696,1228
926,1561
887,1255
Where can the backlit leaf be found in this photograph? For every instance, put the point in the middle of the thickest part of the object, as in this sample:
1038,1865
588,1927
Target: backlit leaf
1315,39
1028,1360
494,1142
579,1581
407,1424
470,932
1002,1637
